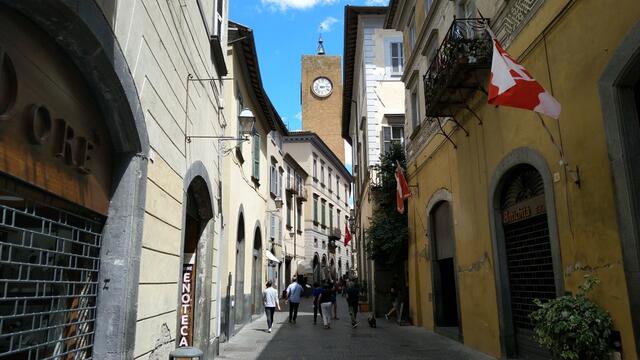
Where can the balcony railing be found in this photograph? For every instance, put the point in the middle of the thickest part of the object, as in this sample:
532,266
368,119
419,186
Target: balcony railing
459,68
291,187
335,233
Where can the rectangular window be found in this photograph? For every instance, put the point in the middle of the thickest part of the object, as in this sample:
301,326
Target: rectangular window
315,209
273,227
411,31
330,179
391,135
338,218
289,211
338,186
288,177
219,17
330,216
315,167
397,61
414,109
256,157
321,172
324,213
299,227
427,7
273,180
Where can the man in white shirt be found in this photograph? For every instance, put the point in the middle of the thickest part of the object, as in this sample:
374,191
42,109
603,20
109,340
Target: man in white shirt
270,301
294,293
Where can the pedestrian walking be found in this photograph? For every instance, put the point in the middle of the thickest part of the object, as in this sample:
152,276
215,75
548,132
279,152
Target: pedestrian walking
393,294
325,305
294,292
270,302
334,303
353,295
317,290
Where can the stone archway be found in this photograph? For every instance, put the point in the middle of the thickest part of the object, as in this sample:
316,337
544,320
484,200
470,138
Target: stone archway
91,47
197,264
522,180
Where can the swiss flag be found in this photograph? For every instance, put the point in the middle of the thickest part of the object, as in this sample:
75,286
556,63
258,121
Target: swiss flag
511,84
402,189
347,234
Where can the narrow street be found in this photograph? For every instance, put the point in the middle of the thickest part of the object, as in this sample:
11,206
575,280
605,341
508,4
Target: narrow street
307,341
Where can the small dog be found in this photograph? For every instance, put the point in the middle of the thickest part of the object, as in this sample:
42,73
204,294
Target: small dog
371,320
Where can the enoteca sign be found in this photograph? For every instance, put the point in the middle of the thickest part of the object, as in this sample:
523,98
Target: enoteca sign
185,332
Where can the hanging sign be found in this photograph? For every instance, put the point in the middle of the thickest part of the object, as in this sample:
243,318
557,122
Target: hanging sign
524,210
186,306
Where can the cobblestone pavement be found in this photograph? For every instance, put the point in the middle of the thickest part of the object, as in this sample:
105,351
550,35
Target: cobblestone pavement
307,341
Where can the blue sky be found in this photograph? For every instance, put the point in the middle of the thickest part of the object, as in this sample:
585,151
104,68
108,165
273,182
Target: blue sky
284,30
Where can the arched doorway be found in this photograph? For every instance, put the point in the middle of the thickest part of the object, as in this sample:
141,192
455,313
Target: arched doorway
526,255
323,268
194,314
316,268
444,279
256,273
239,273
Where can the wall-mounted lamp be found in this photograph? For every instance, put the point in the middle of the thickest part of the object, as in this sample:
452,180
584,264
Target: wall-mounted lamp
247,122
279,203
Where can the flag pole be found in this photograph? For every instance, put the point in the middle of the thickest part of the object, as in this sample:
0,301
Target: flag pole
575,174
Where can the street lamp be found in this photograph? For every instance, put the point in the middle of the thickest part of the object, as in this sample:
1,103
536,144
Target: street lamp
247,128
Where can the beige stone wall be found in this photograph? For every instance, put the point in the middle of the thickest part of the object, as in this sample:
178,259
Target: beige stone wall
323,115
163,43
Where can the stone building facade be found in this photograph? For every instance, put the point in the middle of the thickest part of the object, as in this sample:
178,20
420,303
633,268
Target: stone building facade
327,208
372,120
499,220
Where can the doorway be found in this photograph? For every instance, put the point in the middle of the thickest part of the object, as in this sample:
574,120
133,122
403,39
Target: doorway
195,289
239,283
256,274
527,248
445,291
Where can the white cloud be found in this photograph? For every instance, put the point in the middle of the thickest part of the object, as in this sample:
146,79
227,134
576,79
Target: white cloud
298,115
326,24
283,5
377,2
348,154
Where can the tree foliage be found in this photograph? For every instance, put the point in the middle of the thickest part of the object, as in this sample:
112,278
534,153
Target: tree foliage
388,233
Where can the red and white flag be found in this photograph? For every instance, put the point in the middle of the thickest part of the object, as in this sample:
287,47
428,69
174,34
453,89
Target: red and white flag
511,84
347,234
402,189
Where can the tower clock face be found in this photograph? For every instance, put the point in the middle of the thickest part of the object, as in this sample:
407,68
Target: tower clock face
322,87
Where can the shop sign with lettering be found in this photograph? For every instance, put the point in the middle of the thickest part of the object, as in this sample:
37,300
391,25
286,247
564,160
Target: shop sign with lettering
185,332
524,210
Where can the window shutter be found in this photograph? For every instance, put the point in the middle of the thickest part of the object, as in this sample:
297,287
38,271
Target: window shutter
273,227
256,156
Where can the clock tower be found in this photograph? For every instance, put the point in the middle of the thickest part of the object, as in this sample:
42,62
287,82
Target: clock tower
321,97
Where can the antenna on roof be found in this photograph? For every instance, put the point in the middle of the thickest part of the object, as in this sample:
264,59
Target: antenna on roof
320,45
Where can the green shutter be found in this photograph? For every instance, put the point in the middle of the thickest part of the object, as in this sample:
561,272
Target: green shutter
256,156
315,209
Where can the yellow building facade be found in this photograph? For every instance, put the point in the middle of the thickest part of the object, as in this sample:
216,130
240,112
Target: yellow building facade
581,51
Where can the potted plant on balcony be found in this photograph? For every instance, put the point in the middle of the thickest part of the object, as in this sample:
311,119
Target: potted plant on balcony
573,327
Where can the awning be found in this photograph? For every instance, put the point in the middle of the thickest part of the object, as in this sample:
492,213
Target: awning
271,257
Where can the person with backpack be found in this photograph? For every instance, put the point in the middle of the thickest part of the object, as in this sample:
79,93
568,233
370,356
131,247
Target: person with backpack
353,295
294,293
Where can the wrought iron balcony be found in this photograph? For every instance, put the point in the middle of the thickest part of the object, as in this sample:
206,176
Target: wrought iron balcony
291,187
334,234
459,68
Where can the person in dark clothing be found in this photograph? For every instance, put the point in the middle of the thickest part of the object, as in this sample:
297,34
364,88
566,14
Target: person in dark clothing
325,305
353,294
317,290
